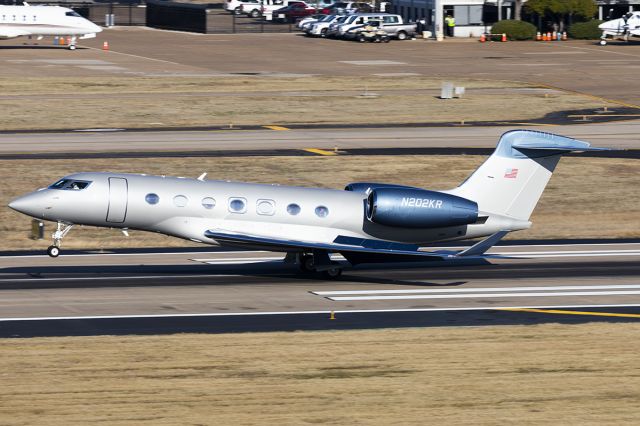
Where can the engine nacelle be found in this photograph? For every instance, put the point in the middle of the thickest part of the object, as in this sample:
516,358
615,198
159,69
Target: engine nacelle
365,187
419,208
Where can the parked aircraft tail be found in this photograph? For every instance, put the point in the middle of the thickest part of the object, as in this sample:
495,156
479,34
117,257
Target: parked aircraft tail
512,179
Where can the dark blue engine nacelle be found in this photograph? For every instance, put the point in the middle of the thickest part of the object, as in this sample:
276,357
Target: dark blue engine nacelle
367,186
419,208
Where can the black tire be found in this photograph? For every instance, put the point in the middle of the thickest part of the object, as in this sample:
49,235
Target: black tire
323,33
332,274
237,10
255,13
53,251
306,263
402,35
362,38
385,39
377,39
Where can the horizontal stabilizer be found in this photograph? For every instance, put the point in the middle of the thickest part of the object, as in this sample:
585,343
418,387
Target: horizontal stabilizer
532,143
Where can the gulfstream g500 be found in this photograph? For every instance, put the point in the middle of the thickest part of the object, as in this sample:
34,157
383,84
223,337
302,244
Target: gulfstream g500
365,222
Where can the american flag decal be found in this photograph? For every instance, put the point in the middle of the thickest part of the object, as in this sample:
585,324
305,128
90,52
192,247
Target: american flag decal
511,173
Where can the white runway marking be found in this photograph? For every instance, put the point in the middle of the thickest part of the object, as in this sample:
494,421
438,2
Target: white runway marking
326,312
483,295
129,277
471,290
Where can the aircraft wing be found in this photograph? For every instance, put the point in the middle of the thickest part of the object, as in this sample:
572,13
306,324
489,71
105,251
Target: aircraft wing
12,33
355,250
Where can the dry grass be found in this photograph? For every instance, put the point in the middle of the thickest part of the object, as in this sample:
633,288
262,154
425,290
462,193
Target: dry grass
586,198
573,375
45,103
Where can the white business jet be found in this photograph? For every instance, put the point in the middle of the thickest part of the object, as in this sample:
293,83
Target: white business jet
41,21
365,222
628,25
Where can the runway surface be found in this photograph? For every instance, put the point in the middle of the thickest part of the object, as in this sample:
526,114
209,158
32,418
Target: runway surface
623,135
231,291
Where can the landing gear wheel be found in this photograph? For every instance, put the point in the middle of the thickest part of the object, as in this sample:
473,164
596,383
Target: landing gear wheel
53,251
72,47
603,42
306,263
332,274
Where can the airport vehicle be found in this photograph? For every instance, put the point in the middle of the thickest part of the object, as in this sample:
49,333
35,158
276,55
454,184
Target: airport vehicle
41,21
628,25
355,20
390,25
371,31
366,223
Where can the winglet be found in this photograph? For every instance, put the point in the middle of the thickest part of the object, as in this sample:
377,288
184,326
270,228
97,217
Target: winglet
481,247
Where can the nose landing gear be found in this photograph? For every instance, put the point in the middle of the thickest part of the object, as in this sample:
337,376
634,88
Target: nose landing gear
58,235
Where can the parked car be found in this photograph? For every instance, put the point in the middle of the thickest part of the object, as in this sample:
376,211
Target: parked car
320,28
236,6
392,25
305,23
266,8
294,11
343,8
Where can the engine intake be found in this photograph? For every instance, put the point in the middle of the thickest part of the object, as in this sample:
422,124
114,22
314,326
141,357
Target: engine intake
419,208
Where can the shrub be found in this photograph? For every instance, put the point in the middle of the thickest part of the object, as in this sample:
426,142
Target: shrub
585,30
515,30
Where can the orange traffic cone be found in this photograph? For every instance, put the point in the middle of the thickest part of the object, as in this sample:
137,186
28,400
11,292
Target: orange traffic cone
554,36
548,36
504,37
564,35
483,38
538,36
61,41
105,45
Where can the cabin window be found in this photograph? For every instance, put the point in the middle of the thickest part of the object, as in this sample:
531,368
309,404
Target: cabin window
35,18
237,205
266,207
208,203
14,18
293,209
152,198
180,200
24,18
73,14
322,211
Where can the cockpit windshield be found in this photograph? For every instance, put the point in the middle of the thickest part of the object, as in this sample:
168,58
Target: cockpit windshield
73,14
70,184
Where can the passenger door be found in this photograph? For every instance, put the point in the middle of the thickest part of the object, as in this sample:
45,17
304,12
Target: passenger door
118,199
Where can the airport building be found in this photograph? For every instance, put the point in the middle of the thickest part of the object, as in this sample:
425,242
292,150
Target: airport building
474,17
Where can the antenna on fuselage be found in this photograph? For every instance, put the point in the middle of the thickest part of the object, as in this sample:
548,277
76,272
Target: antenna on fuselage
24,3
202,176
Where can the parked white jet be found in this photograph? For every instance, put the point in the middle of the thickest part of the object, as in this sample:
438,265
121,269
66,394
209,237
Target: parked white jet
628,25
366,222
41,21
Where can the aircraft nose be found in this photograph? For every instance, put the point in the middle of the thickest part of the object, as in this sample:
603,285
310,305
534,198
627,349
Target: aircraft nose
27,204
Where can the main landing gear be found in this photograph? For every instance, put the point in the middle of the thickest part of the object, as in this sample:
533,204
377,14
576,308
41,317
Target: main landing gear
320,262
58,235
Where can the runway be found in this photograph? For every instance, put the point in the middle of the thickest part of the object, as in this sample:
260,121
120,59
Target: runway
231,291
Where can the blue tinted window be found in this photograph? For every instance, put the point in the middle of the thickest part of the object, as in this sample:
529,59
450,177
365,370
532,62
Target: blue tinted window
293,209
237,205
322,211
152,198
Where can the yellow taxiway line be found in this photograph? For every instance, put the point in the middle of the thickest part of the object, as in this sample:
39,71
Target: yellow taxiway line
561,312
320,151
276,128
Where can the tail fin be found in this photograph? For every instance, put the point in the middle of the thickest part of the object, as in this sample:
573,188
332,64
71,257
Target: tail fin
512,179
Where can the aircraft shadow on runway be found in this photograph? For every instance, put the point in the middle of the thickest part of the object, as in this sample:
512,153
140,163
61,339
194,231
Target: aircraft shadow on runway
276,272
37,47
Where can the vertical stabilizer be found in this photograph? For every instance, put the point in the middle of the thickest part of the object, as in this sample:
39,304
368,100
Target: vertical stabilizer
510,182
